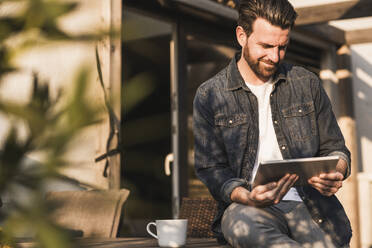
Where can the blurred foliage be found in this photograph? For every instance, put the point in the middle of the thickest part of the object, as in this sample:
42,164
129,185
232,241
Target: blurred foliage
137,89
50,124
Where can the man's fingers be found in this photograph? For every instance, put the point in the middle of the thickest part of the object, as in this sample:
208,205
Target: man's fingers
325,190
259,193
326,183
264,194
282,186
335,176
272,193
260,189
287,185
325,187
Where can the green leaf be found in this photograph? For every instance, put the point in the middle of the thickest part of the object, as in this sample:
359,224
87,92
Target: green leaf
5,66
10,26
11,158
41,13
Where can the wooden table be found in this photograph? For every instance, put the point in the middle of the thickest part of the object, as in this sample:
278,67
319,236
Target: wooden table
131,242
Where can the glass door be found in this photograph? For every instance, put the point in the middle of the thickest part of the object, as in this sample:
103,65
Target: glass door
146,120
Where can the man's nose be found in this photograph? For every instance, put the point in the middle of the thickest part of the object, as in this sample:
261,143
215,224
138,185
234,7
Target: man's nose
274,54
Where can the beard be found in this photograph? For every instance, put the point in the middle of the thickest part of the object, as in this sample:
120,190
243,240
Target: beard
263,68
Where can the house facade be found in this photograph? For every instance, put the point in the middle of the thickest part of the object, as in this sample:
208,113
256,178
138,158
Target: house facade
167,49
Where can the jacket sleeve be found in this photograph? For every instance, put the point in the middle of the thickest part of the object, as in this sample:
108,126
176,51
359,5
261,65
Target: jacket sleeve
331,139
211,160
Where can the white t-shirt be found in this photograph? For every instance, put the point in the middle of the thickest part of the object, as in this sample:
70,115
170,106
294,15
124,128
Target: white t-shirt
268,148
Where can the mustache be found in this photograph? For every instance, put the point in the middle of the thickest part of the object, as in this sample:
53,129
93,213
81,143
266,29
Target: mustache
268,61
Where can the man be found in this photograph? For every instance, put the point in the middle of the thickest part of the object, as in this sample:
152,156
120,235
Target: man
259,109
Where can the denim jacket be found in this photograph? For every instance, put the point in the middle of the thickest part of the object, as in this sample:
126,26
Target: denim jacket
225,124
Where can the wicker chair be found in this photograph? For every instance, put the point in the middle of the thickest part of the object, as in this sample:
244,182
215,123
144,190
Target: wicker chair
200,213
88,213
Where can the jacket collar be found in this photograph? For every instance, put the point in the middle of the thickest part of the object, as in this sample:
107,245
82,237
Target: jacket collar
235,80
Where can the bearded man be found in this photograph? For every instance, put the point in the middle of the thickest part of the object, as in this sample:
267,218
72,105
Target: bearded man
259,109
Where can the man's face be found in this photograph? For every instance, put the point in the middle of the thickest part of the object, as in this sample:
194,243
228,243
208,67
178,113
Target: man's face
265,48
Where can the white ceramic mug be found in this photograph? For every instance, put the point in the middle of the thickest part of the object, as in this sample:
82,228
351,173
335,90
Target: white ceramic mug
170,233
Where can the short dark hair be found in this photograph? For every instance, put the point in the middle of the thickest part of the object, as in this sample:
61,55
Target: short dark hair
278,12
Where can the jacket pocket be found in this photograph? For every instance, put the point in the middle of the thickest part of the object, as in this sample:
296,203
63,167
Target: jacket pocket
230,120
233,131
300,120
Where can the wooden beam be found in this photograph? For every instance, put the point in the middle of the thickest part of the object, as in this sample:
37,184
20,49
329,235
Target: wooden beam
358,36
324,32
179,116
333,11
110,52
210,6
362,9
337,36
308,14
115,89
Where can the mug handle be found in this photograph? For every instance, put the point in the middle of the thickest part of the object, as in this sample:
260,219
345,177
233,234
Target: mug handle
148,229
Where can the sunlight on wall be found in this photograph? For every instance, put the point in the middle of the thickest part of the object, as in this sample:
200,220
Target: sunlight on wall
57,63
364,76
366,147
362,87
365,203
361,56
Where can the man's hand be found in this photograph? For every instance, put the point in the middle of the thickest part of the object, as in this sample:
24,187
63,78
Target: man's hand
264,195
329,183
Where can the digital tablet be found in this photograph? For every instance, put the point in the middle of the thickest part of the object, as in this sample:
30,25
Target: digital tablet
305,168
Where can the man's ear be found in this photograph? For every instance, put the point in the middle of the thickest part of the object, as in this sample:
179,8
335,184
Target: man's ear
241,36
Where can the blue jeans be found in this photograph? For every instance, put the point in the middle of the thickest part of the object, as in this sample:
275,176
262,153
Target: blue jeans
287,224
